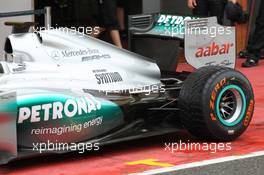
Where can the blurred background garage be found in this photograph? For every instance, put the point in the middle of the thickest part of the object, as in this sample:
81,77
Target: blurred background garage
68,13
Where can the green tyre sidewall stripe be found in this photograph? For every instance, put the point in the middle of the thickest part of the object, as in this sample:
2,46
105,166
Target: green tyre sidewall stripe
243,111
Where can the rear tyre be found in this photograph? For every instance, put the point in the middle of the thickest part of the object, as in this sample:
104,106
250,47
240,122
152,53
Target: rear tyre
216,103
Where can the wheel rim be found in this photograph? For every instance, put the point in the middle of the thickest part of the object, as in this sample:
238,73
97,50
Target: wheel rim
231,105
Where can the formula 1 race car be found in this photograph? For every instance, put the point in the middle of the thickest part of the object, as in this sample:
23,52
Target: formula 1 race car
59,88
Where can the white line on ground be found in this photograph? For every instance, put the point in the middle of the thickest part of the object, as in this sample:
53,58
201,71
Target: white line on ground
200,164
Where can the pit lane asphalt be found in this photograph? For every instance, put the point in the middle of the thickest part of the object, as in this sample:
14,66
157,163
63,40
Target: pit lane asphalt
249,166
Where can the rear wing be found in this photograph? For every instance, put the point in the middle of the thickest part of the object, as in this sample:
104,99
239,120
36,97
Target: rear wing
205,42
159,25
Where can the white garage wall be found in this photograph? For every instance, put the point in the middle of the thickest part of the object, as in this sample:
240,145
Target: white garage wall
10,6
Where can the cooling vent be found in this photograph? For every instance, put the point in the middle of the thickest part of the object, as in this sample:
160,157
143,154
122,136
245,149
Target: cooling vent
142,21
198,23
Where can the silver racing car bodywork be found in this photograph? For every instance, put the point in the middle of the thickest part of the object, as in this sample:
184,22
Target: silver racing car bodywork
59,88
55,82
74,62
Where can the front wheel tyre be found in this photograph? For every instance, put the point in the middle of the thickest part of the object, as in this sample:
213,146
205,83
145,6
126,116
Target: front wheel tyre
216,103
